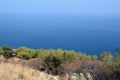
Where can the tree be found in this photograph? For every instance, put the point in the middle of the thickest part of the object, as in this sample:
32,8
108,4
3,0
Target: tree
106,56
52,65
1,52
25,53
94,57
7,51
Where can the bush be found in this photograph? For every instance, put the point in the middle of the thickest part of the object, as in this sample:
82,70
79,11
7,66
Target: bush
115,67
41,53
7,52
98,69
1,52
69,56
25,53
106,56
36,63
52,65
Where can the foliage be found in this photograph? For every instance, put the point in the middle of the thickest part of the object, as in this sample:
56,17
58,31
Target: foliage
106,56
84,56
94,57
115,67
25,53
63,55
52,65
7,51
1,52
98,69
103,67
41,53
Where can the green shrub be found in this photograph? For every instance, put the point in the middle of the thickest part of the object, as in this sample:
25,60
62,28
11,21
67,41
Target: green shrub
1,52
52,65
106,56
25,53
7,52
42,53
115,67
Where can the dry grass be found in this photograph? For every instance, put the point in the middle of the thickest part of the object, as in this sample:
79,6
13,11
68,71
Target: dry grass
10,71
14,69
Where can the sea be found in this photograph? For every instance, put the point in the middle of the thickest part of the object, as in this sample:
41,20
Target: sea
82,33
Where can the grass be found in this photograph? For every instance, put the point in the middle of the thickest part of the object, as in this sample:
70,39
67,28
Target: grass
10,71
13,69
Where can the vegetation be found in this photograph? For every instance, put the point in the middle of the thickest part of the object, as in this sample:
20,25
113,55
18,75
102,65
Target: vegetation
52,65
103,67
7,52
106,56
10,71
25,53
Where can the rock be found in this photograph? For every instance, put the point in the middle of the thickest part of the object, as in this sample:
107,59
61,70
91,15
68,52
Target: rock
82,77
74,76
89,77
63,76
54,78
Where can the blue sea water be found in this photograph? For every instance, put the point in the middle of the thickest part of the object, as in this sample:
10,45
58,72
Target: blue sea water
88,34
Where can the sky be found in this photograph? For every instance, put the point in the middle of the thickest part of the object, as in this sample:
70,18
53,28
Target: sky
56,7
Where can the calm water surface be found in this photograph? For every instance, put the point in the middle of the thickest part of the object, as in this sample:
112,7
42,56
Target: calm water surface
89,34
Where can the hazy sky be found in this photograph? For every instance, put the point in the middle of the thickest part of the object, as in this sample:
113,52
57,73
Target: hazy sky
102,7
